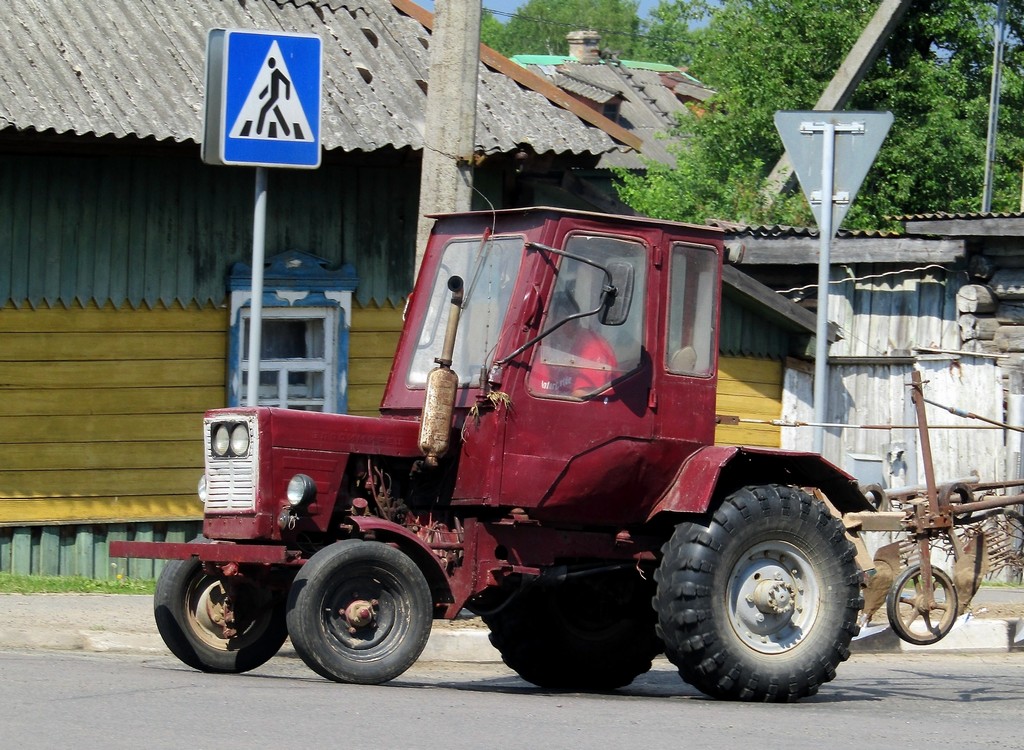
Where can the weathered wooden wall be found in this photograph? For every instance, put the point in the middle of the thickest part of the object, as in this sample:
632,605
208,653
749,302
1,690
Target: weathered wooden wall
157,229
894,313
879,394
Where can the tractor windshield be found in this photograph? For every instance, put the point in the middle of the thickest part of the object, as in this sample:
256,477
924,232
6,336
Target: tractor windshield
488,269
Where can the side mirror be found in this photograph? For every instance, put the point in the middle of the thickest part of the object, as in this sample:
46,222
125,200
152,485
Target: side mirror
617,296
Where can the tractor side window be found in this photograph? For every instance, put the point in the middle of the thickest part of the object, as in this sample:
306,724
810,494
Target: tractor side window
489,272
583,357
691,310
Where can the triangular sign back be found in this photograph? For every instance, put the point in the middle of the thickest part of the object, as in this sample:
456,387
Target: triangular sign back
855,151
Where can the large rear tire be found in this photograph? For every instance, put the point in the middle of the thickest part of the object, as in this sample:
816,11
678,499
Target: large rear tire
190,608
359,612
760,604
591,633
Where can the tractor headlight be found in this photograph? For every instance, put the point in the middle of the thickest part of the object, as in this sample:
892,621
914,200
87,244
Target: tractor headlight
221,440
301,490
201,489
240,439
230,439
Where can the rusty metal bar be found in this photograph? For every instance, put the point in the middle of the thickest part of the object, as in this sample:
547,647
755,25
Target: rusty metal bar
995,502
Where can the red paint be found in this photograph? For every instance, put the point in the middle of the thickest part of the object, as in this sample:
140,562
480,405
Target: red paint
533,480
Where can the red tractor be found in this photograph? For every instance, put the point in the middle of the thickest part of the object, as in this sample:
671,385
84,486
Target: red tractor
544,457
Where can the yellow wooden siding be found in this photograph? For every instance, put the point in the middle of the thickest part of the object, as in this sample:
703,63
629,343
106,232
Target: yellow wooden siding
751,389
373,339
101,411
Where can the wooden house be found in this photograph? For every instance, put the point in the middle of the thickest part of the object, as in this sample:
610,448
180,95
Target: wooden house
121,309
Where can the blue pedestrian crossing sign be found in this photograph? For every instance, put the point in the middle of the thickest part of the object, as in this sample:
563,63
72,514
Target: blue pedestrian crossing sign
263,92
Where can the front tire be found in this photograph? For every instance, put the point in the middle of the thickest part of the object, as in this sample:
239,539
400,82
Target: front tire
359,612
591,633
190,607
760,604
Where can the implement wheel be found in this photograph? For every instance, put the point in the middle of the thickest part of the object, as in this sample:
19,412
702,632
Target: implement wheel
910,615
761,603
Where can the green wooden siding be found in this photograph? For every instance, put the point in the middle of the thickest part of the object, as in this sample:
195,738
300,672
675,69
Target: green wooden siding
745,333
151,230
82,550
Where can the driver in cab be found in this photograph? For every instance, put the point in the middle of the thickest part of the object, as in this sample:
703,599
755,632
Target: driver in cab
573,360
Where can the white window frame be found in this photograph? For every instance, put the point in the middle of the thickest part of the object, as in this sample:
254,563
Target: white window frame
283,367
297,286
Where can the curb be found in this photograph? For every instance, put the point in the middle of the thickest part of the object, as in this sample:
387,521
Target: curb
970,635
444,645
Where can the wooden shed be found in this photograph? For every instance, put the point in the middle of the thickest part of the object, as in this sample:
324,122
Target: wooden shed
893,300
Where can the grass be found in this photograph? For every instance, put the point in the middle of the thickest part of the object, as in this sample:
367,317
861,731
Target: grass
19,584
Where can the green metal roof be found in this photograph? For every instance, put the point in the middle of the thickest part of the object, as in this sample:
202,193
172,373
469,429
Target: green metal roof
525,60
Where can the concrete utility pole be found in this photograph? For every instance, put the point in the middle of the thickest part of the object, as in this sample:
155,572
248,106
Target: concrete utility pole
993,106
449,137
856,65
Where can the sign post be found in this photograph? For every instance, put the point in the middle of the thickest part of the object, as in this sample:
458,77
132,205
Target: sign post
263,104
831,153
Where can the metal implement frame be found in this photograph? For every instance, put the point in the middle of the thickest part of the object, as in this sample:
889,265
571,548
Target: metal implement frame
930,516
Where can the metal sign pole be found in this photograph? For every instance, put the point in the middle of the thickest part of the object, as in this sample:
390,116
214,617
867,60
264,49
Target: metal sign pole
830,186
259,227
828,155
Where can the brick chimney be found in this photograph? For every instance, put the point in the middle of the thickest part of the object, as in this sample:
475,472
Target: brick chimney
585,46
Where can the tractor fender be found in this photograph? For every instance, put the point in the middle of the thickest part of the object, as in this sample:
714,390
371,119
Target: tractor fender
390,532
713,472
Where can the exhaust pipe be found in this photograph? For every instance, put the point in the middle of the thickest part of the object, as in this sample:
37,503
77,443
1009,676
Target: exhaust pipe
442,386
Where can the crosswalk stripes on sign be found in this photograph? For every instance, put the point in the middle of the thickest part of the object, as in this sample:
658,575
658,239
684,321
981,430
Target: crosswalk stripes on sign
272,110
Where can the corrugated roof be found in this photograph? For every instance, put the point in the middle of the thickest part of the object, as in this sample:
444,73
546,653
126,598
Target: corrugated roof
128,67
649,108
943,215
575,85
776,231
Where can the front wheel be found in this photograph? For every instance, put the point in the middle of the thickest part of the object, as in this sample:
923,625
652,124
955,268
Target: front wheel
760,604
212,630
359,612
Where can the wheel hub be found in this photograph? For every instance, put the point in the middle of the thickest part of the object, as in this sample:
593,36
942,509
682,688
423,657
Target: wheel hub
359,613
772,597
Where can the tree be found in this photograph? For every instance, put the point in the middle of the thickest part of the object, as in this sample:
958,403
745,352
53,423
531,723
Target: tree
539,27
766,55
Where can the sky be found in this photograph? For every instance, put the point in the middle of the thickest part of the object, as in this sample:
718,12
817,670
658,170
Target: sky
509,6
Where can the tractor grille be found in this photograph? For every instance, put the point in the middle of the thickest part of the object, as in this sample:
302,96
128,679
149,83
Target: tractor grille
231,480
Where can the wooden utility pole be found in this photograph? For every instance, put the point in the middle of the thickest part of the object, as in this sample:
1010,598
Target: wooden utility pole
449,137
852,71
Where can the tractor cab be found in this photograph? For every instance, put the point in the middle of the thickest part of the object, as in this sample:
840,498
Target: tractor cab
581,341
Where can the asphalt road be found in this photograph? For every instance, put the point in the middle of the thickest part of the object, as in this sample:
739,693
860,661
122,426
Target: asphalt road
110,701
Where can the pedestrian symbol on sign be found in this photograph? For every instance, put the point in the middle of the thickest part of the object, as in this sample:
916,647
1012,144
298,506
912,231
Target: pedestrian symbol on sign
272,110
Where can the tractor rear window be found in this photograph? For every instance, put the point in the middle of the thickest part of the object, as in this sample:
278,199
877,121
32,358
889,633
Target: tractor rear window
489,272
693,273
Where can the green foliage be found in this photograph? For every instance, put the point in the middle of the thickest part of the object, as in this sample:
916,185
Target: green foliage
767,55
18,584
539,27
490,29
667,36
